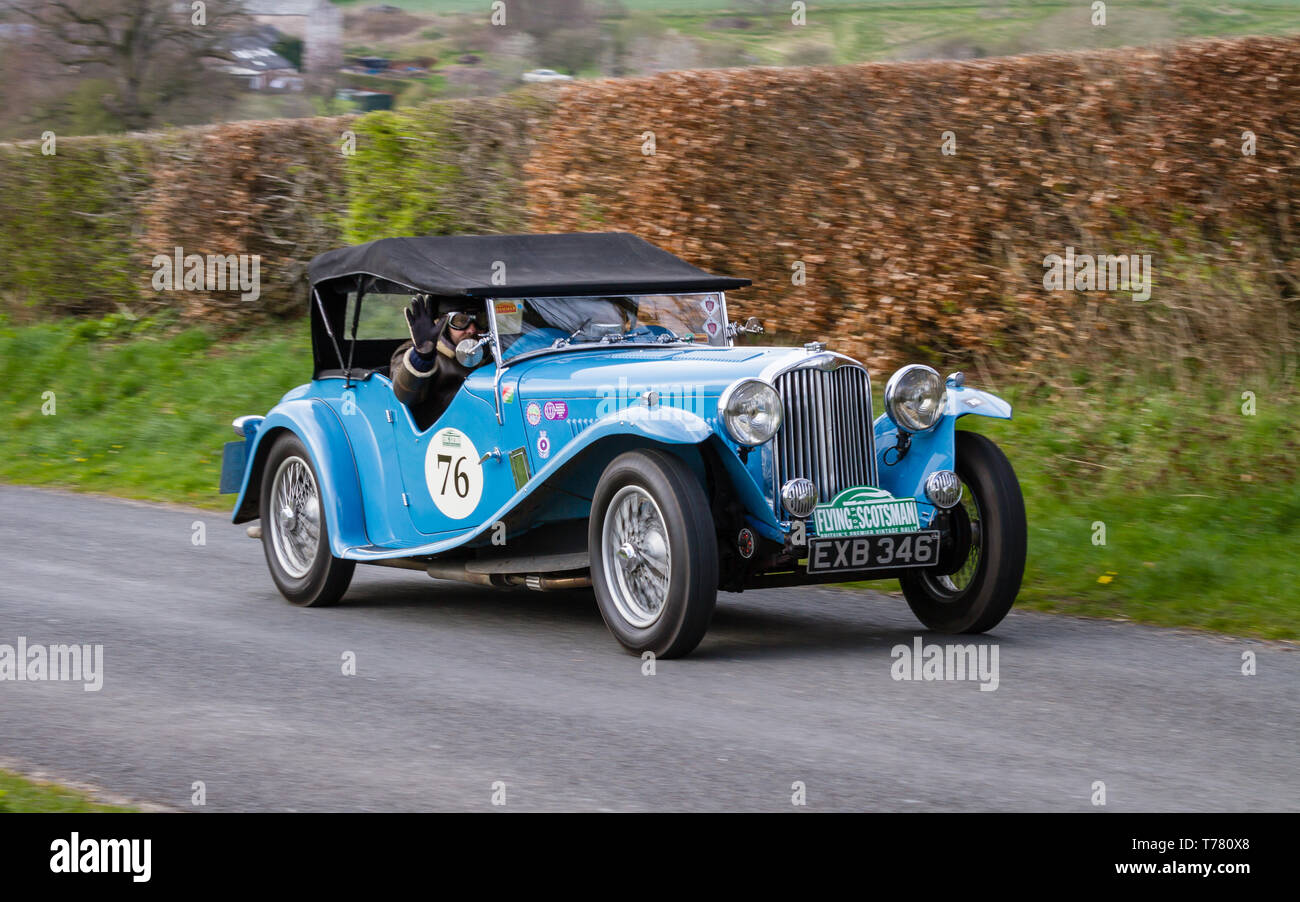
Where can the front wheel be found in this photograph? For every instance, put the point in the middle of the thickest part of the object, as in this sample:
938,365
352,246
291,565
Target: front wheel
979,593
294,534
654,555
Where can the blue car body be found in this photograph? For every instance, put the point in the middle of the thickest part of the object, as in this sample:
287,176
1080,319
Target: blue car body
370,454
609,430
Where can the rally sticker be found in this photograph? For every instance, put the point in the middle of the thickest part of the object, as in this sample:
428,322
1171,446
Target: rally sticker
533,412
452,470
543,445
508,394
510,317
865,511
710,305
556,410
711,327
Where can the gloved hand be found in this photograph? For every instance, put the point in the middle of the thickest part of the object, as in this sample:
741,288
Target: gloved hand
420,320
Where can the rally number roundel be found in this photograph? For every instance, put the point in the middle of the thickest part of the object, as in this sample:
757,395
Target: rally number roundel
453,473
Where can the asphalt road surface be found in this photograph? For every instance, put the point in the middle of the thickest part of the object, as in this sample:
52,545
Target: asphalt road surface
210,676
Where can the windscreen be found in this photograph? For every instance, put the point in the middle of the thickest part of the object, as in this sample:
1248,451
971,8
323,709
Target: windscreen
525,325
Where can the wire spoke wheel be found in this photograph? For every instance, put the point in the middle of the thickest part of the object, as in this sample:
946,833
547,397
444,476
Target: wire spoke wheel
979,593
637,558
654,553
295,517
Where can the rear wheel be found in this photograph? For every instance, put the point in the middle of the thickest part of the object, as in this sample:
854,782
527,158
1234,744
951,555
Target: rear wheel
978,594
654,555
295,537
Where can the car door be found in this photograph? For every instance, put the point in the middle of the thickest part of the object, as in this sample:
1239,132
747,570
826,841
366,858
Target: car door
456,473
367,410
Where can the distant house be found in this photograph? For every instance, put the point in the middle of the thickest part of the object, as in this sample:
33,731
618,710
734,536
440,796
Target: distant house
254,62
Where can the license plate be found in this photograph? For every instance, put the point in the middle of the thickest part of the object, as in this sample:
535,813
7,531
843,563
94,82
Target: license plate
848,553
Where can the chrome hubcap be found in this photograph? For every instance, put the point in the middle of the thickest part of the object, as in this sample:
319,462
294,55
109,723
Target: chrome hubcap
295,524
638,561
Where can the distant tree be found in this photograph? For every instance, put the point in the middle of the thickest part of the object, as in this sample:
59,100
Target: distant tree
291,49
541,17
148,51
570,49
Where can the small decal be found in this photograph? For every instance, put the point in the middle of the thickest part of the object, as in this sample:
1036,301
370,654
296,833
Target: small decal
519,468
556,410
508,394
865,511
533,412
745,543
543,445
711,328
453,473
710,305
510,317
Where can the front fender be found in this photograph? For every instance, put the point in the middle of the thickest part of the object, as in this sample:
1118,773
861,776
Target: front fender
317,426
933,450
963,401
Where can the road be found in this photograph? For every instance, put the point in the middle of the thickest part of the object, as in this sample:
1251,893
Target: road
210,676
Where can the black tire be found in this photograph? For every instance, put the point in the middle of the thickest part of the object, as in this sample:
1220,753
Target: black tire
952,605
685,609
325,578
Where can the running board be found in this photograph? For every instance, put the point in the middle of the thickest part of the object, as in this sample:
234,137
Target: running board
535,563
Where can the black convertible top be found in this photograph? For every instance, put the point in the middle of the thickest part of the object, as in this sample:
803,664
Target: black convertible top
504,266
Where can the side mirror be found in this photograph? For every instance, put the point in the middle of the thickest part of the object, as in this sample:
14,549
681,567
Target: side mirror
753,325
469,353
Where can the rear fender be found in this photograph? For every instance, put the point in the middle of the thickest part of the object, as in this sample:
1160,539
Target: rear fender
319,429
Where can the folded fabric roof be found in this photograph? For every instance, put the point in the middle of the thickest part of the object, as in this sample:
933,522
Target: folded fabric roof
581,263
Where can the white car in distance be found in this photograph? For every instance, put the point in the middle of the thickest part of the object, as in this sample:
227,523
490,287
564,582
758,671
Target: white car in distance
545,75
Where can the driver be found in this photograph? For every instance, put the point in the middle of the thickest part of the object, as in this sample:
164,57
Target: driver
425,372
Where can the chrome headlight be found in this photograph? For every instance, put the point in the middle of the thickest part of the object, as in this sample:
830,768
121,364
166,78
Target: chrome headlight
751,411
915,398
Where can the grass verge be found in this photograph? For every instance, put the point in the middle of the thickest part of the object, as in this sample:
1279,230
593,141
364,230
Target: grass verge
144,414
1198,496
20,795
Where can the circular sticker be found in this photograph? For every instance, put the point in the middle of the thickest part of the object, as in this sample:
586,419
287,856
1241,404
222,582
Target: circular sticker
454,475
533,412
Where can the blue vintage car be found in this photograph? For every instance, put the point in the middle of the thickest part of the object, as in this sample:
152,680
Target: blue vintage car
612,434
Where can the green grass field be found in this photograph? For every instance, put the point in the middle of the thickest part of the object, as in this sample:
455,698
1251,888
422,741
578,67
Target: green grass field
861,30
1201,503
20,795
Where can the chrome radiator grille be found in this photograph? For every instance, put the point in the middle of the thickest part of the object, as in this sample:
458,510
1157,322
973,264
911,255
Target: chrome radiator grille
826,435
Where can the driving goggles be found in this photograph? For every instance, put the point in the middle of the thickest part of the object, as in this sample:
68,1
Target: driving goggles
462,319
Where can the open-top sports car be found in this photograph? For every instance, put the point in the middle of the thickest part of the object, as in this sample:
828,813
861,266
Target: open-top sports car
610,433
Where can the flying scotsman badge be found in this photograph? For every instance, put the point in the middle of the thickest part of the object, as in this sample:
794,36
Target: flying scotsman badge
865,511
